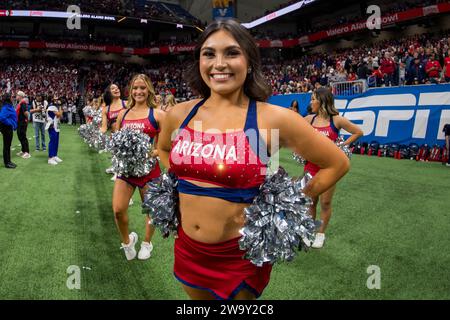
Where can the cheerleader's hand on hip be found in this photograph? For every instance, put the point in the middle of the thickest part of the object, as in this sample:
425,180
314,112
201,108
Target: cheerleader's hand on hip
154,153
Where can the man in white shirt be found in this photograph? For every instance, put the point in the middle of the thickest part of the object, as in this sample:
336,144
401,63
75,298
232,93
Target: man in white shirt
39,118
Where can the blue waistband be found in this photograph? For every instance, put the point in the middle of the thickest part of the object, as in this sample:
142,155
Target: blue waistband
229,194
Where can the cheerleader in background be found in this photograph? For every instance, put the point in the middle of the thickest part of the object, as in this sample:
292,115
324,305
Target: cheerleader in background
100,104
113,106
326,120
170,102
158,101
141,114
87,110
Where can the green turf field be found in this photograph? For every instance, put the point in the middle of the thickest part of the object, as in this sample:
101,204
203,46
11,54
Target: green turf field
388,213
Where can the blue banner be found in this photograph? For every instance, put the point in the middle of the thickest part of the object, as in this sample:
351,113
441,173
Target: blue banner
404,115
223,9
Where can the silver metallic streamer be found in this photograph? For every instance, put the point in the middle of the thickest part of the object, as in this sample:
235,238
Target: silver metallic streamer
88,111
99,141
298,158
130,150
83,131
340,144
97,117
278,222
161,203
92,136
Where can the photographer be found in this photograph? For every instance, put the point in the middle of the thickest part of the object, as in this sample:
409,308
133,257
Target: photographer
38,111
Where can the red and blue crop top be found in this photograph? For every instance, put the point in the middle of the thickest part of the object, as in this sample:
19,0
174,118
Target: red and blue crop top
148,125
234,162
329,131
112,115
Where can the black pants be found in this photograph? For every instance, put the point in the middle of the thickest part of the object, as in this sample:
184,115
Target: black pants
7,133
447,145
22,135
81,115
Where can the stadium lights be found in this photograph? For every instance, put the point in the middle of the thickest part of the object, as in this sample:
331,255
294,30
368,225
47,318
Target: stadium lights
57,14
278,13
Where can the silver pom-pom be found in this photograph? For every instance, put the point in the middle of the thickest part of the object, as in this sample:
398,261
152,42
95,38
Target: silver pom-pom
130,151
161,203
88,111
278,222
97,117
298,158
83,131
340,143
99,141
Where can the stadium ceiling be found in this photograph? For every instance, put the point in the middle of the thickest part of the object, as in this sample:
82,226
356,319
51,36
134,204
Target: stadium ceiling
315,8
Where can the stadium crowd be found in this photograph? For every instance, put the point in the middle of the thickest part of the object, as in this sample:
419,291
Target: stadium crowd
421,59
309,27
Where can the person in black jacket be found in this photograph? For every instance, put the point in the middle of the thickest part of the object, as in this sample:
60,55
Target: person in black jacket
363,70
22,124
81,104
416,72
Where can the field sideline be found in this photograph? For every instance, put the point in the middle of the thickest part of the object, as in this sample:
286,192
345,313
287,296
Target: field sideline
388,213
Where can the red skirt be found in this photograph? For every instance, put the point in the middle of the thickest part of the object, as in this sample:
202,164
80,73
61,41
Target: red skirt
218,268
140,182
311,168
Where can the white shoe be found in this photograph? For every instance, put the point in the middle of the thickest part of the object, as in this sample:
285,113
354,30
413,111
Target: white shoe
52,162
19,154
318,242
26,155
130,251
57,159
109,170
447,164
146,251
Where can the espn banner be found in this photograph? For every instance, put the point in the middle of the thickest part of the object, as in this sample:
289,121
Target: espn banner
404,115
